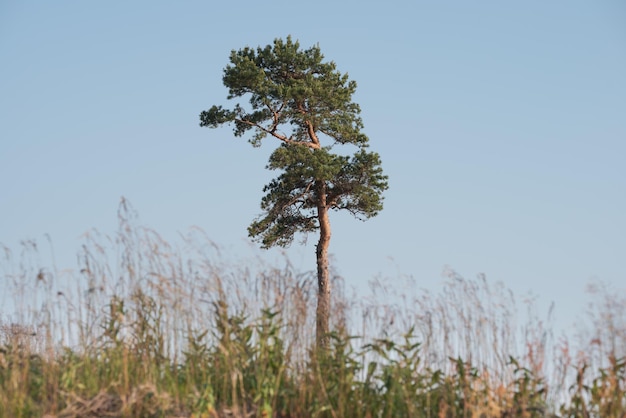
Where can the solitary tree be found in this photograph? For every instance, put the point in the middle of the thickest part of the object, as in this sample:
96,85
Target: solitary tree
300,100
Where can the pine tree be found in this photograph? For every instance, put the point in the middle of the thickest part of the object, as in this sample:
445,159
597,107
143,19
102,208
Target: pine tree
300,100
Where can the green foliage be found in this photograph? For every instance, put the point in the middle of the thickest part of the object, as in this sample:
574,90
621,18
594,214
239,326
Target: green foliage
241,365
529,391
22,381
291,201
604,396
288,86
204,342
401,387
297,98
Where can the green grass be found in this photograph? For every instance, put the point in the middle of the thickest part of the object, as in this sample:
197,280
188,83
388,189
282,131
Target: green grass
147,330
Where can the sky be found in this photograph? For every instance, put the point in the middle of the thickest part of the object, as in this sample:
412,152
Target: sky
501,126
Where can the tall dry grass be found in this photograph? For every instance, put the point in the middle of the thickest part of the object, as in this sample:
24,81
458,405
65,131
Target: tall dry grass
146,329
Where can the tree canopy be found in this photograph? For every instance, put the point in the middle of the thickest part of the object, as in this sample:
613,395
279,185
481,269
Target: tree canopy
291,201
297,98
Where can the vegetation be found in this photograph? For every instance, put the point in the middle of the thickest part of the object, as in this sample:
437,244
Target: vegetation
179,332
301,100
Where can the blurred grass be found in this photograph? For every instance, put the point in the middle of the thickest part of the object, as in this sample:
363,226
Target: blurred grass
147,330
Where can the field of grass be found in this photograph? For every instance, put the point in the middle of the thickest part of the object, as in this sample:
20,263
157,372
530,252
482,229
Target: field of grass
143,329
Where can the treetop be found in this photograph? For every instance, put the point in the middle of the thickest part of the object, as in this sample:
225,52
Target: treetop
293,95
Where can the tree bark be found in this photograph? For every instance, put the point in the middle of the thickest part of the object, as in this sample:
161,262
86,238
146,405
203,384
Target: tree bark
323,277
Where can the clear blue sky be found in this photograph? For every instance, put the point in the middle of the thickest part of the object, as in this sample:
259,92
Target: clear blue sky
502,127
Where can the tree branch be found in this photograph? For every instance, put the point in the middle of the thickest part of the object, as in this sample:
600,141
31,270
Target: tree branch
310,129
312,145
296,199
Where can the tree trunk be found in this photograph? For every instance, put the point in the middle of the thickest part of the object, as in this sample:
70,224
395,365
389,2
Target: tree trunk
323,277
